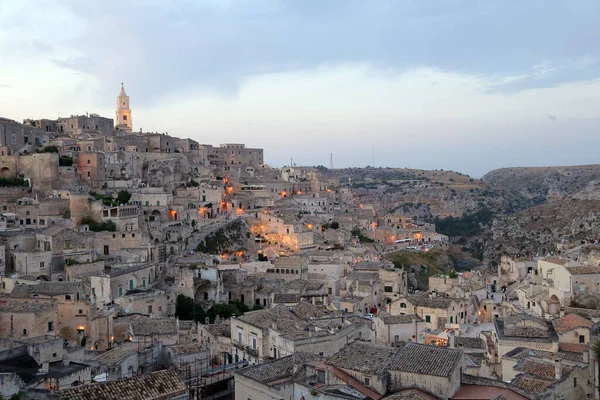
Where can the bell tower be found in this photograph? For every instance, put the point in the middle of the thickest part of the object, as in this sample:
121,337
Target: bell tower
123,113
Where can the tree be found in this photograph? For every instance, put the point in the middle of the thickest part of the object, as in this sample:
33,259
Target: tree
184,309
123,197
335,225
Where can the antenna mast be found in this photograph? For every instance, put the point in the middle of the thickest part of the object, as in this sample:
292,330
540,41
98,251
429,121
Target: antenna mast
330,160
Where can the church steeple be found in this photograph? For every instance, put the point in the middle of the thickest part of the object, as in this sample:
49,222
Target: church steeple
123,114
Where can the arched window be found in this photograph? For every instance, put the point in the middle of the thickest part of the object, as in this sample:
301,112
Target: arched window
402,305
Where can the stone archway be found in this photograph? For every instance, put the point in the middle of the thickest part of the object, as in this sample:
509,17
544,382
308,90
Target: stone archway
4,172
553,305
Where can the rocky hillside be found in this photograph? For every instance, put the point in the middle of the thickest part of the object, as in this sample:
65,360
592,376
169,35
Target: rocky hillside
566,209
427,194
549,183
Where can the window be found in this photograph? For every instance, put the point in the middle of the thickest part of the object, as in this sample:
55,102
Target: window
124,117
93,291
581,339
157,203
144,282
253,343
89,149
14,139
50,326
28,213
67,297
106,250
24,331
240,336
131,284
120,290
67,244
428,318
320,376
388,289
133,235
80,312
42,266
396,338
88,174
451,319
402,305
150,309
367,382
88,161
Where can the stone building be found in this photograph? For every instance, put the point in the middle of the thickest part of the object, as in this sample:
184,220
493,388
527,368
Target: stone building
27,319
235,153
437,312
437,370
523,330
394,329
159,385
365,362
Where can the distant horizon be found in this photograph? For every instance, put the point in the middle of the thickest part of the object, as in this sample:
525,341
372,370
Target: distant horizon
431,85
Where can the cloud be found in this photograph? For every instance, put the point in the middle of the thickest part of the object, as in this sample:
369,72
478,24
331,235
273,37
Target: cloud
216,45
4,86
552,117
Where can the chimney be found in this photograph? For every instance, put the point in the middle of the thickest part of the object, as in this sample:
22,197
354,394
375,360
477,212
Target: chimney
557,369
65,360
451,340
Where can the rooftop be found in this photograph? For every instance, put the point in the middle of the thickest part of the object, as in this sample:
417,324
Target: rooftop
426,301
152,326
584,270
538,368
26,307
282,368
191,348
46,289
27,368
363,357
114,356
570,322
469,342
531,384
223,328
154,386
427,360
389,319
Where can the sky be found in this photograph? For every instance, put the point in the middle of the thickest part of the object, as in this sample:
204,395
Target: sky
464,85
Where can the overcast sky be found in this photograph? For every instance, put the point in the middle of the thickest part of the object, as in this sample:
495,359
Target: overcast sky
463,85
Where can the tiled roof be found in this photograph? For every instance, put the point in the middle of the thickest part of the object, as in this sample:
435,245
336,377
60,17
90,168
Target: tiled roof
307,310
573,347
469,342
154,386
46,289
221,329
150,326
409,394
584,270
427,360
285,298
531,384
113,356
363,357
190,348
279,369
397,319
556,260
570,322
26,307
539,369
426,301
